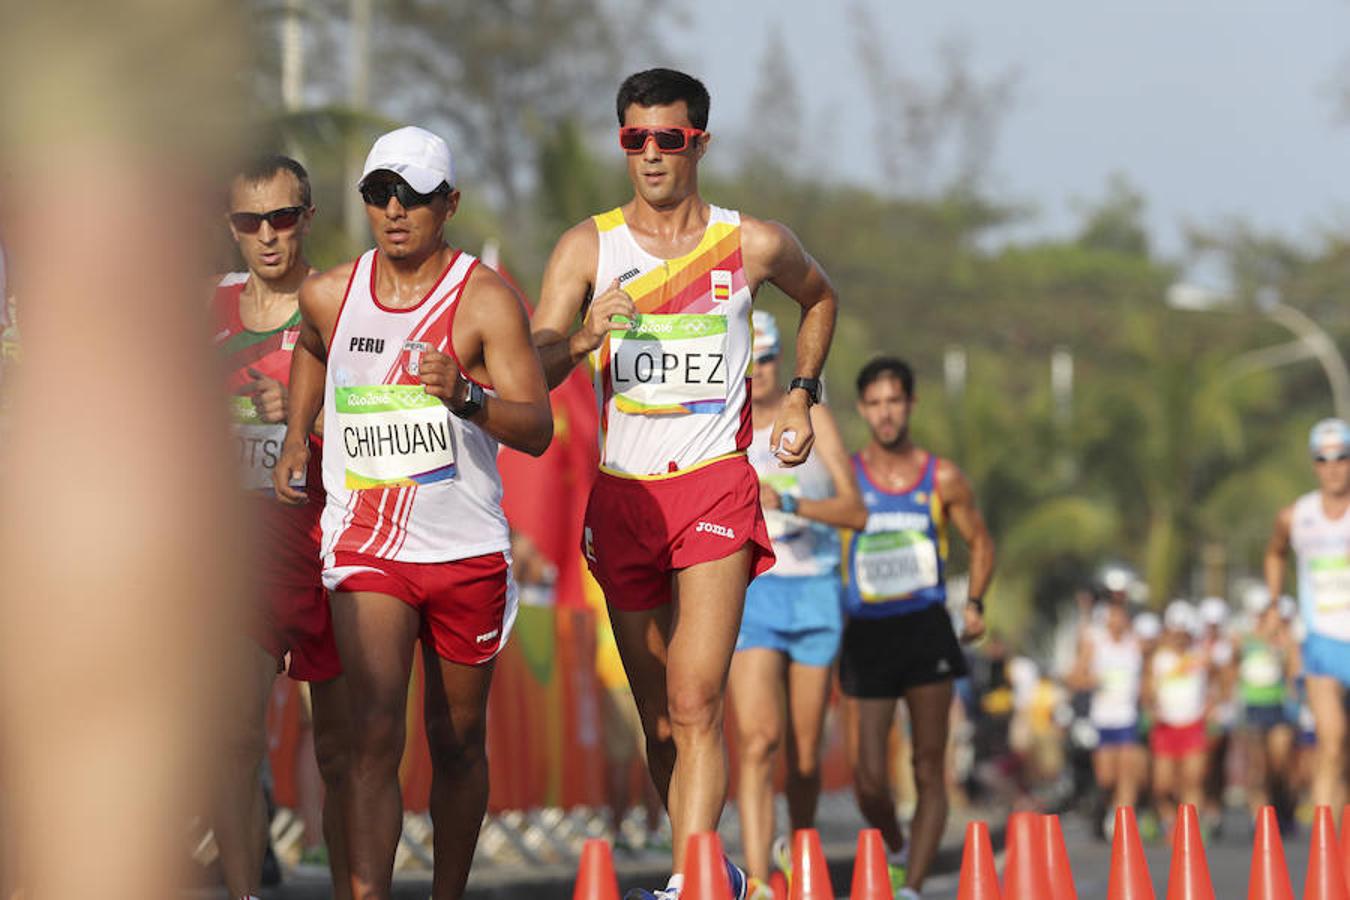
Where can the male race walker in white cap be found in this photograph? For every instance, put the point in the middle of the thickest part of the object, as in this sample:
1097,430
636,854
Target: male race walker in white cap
790,630
422,362
1317,528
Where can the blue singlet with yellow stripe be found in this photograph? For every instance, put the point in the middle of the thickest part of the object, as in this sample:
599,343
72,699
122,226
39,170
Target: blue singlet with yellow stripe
898,563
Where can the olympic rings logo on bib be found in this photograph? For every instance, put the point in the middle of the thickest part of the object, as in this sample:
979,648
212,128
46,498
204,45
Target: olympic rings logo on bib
393,435
670,365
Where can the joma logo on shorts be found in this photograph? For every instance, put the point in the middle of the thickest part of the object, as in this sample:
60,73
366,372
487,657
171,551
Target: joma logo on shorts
720,530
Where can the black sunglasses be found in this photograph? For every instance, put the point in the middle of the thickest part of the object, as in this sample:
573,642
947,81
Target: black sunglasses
282,219
378,193
1326,459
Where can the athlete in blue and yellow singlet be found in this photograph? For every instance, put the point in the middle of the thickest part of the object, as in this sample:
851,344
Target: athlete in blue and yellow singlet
899,641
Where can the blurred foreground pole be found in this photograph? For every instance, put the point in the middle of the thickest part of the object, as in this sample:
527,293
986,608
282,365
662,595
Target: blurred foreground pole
954,371
358,99
118,540
292,57
1061,389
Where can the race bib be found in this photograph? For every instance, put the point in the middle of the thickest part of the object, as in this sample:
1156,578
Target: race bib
1260,669
781,525
393,436
670,365
1330,583
1116,683
1181,699
259,445
891,565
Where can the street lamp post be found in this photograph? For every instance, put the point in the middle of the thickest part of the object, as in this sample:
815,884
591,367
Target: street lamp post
1312,337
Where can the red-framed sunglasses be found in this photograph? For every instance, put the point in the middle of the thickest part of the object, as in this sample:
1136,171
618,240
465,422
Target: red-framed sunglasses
282,219
669,138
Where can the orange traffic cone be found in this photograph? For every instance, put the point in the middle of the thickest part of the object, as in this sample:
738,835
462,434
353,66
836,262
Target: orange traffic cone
979,881
1025,875
705,869
1188,878
1057,860
1326,876
810,875
1129,869
778,883
1345,845
595,875
1270,875
871,874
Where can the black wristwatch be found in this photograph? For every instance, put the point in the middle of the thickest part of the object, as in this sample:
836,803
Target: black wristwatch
977,602
474,397
810,385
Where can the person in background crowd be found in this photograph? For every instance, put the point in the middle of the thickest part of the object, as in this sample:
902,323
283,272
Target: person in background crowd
1218,647
1110,664
1266,660
1176,688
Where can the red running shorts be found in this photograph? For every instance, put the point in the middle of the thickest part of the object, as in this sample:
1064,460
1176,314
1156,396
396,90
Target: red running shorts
640,530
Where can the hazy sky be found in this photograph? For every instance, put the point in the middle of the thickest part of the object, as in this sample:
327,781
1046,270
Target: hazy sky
1212,108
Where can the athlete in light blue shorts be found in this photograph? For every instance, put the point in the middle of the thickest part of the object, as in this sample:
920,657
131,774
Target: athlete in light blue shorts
1317,528
792,622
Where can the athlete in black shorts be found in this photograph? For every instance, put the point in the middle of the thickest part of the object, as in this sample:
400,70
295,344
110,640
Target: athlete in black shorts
899,641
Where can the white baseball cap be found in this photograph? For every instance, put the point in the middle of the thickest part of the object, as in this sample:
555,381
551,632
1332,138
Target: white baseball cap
1181,616
1147,625
765,341
414,154
1329,436
1214,610
1255,599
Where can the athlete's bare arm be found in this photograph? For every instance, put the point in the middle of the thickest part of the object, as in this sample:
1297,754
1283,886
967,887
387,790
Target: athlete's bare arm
567,291
846,508
491,336
1277,553
772,253
1080,675
958,498
320,300
1148,698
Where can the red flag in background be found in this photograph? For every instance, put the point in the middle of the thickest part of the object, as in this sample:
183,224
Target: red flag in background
545,498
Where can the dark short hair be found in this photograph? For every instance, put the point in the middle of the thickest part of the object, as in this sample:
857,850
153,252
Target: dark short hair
662,87
887,367
262,168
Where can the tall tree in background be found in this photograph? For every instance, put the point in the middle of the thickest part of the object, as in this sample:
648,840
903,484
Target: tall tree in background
931,137
503,75
770,143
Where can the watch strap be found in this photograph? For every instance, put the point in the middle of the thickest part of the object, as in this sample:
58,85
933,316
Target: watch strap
810,385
